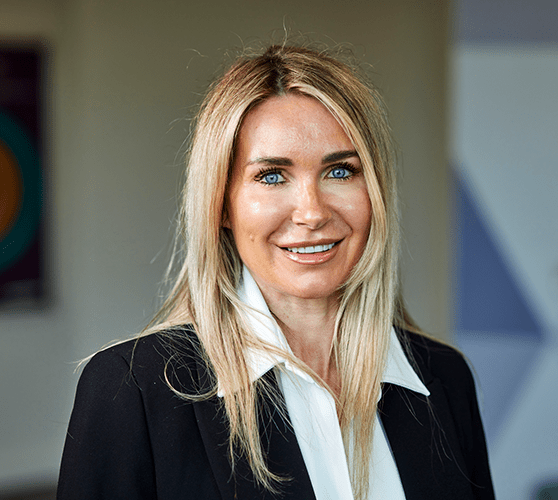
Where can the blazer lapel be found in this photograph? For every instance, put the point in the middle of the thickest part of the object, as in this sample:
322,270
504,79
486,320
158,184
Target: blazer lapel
424,442
278,442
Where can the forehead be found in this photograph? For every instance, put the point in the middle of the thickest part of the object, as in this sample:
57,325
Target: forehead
289,122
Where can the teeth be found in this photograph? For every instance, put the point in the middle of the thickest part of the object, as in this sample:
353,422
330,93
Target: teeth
314,249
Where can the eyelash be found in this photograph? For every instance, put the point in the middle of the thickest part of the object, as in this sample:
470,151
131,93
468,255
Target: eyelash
347,166
273,170
266,171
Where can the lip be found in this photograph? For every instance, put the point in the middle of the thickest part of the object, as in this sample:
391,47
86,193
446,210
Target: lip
312,258
310,243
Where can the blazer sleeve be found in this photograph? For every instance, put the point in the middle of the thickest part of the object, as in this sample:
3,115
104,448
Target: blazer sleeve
107,453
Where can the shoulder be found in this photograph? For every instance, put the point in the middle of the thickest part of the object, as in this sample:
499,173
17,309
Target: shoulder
128,425
145,361
433,359
446,373
453,401
137,383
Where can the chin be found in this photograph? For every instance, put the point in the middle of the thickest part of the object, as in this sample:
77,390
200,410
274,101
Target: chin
314,291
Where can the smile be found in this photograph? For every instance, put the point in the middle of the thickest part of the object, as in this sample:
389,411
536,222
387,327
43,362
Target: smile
313,249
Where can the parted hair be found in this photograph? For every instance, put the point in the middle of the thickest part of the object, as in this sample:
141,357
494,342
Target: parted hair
204,290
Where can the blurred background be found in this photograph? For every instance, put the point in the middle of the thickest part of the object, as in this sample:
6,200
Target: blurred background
95,101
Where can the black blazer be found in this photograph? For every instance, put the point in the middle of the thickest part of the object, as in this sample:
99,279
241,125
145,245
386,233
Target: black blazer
131,438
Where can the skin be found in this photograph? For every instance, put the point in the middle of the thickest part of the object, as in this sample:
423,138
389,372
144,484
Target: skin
296,182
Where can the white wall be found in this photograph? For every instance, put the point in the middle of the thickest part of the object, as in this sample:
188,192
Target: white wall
123,72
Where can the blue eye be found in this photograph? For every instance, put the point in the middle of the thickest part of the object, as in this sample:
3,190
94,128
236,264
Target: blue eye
340,173
272,178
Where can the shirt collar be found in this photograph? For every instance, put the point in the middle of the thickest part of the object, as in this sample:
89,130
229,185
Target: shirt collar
398,370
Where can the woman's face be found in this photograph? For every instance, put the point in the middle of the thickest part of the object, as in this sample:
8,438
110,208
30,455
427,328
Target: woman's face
297,204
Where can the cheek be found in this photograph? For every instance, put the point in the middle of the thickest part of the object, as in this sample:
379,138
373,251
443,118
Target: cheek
252,217
357,211
258,208
254,208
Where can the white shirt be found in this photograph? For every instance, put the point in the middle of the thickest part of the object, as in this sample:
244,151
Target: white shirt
313,414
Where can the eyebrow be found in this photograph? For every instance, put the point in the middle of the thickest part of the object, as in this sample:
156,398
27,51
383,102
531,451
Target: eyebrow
272,161
279,161
339,155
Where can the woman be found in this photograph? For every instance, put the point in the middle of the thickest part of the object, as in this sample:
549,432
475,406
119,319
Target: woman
282,364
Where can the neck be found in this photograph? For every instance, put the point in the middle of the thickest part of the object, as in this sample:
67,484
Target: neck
308,326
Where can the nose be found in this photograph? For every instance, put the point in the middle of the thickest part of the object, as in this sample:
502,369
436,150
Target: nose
311,207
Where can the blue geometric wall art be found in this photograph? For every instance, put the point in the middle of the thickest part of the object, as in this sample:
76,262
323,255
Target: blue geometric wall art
494,325
487,295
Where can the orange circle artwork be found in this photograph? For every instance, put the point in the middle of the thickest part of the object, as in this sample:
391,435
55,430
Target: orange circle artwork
11,190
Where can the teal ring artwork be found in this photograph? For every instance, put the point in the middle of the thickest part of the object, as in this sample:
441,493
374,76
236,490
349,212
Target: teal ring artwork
18,238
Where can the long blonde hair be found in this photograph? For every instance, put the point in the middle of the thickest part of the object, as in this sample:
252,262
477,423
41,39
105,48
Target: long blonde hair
205,288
